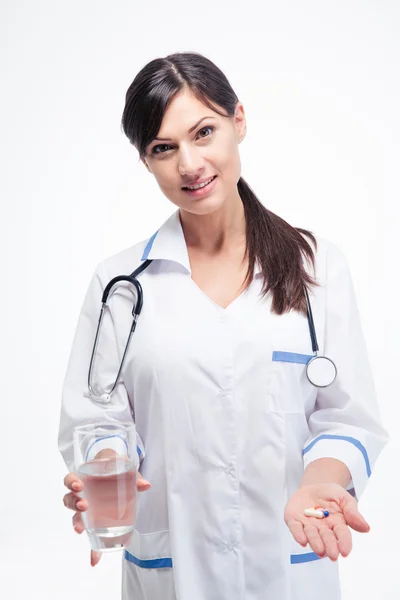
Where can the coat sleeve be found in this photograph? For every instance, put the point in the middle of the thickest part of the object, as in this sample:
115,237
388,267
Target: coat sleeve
345,424
76,406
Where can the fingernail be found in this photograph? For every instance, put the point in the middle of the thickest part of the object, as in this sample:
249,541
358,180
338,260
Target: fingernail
75,486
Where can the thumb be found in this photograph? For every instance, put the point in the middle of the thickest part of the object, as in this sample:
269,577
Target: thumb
142,484
354,518
94,557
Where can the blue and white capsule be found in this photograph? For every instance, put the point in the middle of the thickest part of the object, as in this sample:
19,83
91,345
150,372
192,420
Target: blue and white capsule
317,512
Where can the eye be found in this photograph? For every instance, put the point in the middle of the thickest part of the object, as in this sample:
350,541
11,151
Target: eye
205,128
154,149
159,146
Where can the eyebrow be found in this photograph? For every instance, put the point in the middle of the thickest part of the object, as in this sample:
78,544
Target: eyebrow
190,130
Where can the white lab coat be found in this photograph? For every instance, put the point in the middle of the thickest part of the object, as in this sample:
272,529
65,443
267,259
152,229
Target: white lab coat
226,422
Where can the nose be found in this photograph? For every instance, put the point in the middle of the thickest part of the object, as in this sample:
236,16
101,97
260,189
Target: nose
191,163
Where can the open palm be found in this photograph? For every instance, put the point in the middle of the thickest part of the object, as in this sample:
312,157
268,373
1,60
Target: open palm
330,536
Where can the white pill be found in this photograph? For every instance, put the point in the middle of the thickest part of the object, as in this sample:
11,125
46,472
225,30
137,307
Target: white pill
311,512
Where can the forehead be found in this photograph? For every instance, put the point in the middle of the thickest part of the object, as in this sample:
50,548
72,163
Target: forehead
183,111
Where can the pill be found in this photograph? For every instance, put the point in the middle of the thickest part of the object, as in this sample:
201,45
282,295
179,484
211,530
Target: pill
310,512
326,512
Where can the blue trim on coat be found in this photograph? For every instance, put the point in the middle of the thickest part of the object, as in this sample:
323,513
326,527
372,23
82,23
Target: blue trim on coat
149,246
292,357
297,559
106,437
162,563
356,443
154,563
139,451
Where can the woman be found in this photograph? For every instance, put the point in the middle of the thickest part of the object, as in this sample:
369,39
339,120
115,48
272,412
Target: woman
234,441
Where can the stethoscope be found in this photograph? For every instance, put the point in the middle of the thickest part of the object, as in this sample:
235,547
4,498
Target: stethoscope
320,370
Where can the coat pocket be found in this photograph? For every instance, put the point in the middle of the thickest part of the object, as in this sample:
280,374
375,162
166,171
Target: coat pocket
291,391
291,357
308,572
150,550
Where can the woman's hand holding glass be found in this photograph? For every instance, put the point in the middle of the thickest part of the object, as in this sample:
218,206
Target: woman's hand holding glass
73,501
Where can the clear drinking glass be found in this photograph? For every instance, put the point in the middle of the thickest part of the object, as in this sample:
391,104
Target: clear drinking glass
106,461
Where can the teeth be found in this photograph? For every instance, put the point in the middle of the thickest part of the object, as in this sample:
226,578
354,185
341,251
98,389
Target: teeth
200,185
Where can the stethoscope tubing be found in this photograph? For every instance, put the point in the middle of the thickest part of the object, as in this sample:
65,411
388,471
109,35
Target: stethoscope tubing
137,308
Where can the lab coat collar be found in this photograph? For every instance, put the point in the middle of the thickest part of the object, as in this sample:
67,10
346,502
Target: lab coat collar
168,243
257,269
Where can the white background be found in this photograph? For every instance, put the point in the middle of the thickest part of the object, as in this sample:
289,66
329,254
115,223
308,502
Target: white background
320,85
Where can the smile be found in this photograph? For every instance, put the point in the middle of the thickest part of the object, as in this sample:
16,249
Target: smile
200,185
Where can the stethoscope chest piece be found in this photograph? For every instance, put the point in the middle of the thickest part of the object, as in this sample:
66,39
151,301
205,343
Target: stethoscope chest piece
321,371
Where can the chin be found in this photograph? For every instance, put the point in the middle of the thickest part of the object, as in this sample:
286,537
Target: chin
203,207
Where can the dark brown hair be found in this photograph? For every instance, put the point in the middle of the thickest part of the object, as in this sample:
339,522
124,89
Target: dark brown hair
278,247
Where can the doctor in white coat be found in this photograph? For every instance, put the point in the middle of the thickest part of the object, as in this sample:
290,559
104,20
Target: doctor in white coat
234,442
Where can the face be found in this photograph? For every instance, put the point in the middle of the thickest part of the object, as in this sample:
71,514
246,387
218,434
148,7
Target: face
191,151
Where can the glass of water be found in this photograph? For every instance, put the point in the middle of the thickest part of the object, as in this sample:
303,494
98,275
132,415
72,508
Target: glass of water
106,461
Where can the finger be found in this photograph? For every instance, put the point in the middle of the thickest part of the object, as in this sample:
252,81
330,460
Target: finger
314,539
356,521
297,531
354,518
343,536
73,483
77,523
142,484
94,557
75,502
330,542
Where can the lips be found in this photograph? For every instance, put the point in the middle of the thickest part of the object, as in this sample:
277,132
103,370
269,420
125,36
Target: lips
185,187
203,191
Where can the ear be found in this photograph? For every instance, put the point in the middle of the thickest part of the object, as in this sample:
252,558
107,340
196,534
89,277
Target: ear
240,121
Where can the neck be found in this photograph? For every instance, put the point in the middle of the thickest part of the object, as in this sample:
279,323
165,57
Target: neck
218,231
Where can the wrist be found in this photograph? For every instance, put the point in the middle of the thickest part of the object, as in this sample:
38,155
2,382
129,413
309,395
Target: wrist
326,470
